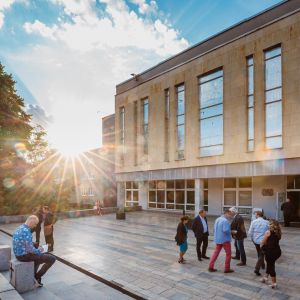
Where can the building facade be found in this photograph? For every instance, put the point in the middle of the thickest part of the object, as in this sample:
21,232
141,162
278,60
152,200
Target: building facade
218,124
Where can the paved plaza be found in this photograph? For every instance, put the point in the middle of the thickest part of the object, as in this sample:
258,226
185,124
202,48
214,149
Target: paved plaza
141,255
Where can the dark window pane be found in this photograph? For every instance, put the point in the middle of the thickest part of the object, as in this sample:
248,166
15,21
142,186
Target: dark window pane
205,183
128,195
290,182
179,197
205,197
135,185
190,197
170,196
161,185
297,182
230,198
170,184
190,207
128,204
170,206
152,196
181,207
135,195
152,185
190,184
135,204
160,205
245,182
152,205
229,183
179,184
161,196
245,198
128,185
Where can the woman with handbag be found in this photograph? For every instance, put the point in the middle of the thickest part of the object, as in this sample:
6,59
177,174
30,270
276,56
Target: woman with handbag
49,220
181,238
271,249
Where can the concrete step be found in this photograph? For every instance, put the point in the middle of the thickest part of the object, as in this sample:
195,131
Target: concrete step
7,291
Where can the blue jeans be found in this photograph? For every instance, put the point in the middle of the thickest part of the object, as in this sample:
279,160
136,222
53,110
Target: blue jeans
239,244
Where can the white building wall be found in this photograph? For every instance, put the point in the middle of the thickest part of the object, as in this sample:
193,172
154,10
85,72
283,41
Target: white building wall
143,194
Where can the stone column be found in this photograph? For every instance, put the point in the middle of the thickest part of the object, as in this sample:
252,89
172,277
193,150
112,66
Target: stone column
199,195
143,194
120,194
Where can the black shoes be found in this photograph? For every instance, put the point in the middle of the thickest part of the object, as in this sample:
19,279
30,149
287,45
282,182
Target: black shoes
257,273
229,271
241,264
39,282
206,257
200,259
234,257
212,270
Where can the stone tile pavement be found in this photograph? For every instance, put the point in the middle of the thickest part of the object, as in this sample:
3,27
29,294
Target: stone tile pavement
140,253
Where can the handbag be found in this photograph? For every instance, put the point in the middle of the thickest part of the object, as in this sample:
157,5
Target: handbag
48,230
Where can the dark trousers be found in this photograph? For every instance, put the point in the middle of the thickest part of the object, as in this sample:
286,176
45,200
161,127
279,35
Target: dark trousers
287,220
260,258
50,240
37,235
203,239
240,250
46,259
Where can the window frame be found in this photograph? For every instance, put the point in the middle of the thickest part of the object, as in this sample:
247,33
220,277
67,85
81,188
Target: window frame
180,154
250,107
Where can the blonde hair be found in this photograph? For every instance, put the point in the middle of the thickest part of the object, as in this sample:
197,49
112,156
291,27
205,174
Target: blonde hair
274,226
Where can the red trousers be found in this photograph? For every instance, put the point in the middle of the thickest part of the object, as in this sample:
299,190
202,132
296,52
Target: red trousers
227,248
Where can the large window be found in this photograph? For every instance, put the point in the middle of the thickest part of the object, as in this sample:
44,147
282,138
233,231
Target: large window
238,192
145,124
250,78
167,123
135,149
122,132
180,121
131,193
211,113
205,191
172,194
273,98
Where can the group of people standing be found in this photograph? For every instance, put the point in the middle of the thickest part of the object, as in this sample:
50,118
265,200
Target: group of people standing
264,234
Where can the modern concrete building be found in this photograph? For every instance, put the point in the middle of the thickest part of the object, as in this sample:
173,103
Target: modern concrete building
218,124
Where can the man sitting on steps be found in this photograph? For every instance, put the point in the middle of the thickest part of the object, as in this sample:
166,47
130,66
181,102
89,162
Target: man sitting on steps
24,249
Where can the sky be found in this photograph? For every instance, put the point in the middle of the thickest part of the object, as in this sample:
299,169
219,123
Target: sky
68,55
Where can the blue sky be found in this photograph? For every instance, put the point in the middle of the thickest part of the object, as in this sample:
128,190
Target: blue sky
68,55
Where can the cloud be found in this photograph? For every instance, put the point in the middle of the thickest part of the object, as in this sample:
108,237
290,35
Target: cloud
39,116
90,49
4,4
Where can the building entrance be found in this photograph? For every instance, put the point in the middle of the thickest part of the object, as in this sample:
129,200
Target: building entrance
294,197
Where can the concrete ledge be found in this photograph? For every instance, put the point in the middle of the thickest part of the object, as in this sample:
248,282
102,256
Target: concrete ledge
5,257
60,215
22,275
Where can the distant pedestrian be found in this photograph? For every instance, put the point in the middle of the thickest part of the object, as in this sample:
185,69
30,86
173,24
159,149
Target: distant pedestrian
288,210
98,208
181,238
200,228
238,234
49,221
270,246
38,211
257,230
25,250
222,238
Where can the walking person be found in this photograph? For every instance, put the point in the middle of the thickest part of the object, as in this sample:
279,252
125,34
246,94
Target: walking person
222,238
49,221
270,246
24,249
287,208
200,228
181,238
239,234
39,213
256,232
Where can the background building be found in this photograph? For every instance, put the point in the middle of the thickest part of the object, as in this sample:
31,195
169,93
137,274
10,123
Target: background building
218,124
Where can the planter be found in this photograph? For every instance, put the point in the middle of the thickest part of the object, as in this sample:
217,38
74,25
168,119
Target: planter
120,215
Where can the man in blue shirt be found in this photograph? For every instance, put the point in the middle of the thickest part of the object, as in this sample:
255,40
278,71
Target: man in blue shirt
200,229
24,249
222,238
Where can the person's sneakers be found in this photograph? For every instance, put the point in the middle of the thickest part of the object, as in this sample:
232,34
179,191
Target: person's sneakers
257,273
241,264
38,282
200,259
273,286
212,270
235,257
229,271
206,257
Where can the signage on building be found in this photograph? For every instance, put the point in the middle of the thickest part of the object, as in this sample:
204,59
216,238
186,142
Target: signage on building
267,192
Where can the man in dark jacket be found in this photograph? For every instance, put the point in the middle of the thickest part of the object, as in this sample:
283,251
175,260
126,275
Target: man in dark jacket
287,209
49,220
239,234
200,229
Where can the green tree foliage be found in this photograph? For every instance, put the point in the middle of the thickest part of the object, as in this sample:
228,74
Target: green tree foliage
28,168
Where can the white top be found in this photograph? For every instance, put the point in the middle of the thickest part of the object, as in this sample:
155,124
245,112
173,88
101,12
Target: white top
257,230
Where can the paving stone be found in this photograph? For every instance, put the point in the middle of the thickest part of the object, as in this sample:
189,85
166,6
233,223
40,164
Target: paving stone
10,295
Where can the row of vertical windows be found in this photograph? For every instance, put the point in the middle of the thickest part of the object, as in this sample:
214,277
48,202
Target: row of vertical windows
211,110
131,193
